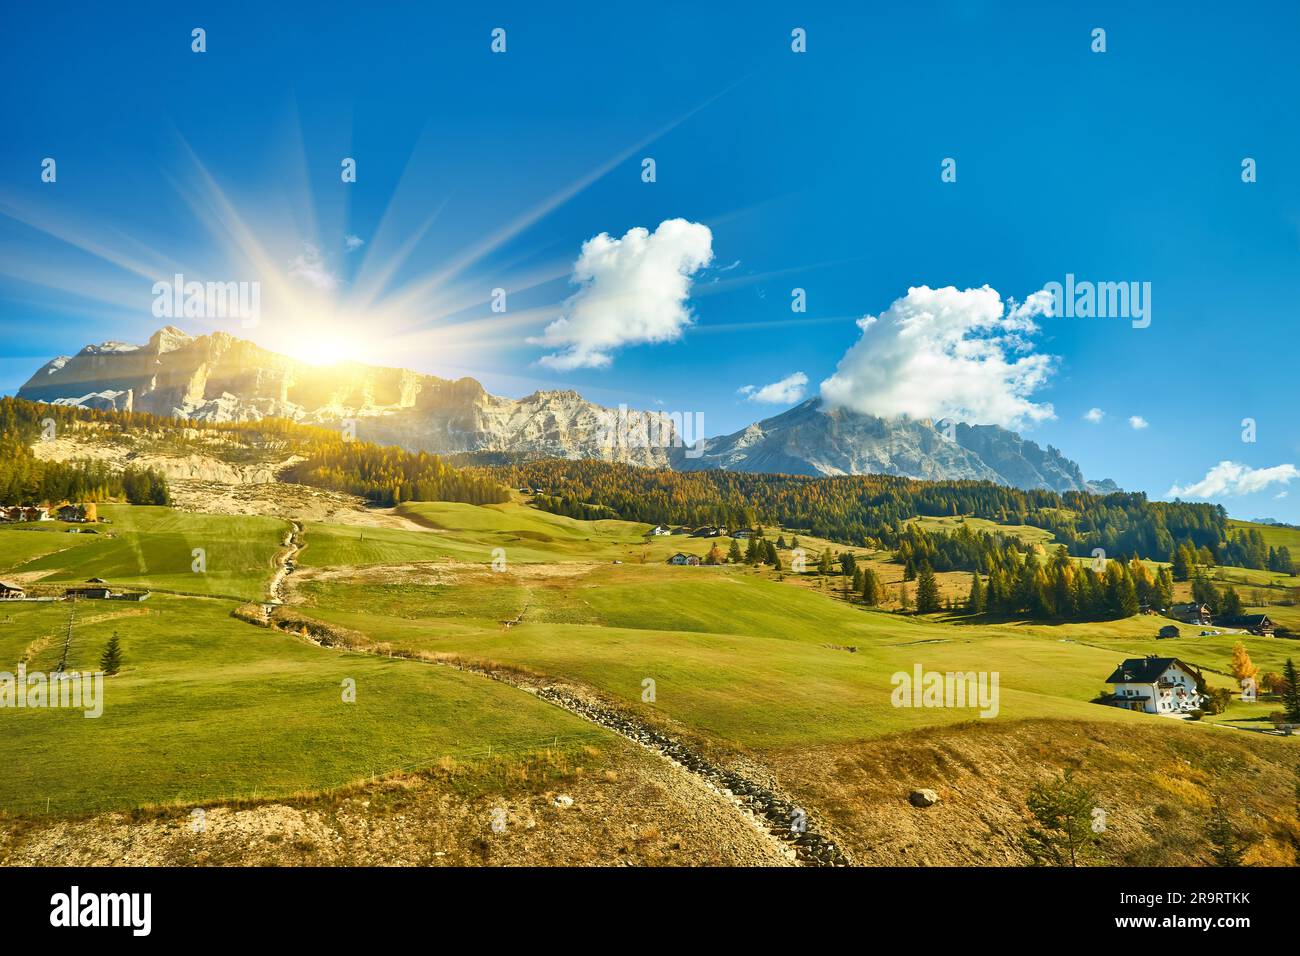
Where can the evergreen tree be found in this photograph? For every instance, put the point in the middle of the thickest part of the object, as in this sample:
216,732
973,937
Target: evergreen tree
1182,565
825,564
975,602
927,590
110,662
1226,848
1291,692
1231,605
734,555
1062,833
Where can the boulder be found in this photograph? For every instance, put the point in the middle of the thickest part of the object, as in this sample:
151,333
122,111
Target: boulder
922,798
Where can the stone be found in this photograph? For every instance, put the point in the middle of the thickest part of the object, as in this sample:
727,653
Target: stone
922,798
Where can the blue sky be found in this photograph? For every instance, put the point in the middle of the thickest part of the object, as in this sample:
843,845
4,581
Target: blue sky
818,170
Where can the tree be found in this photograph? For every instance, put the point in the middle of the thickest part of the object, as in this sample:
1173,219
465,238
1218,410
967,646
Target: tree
110,662
904,597
1242,667
927,590
1231,605
870,588
1291,692
734,555
975,602
825,564
848,563
1062,833
1226,847
715,555
1183,561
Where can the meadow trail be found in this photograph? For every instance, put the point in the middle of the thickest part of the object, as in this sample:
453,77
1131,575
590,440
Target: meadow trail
285,563
775,817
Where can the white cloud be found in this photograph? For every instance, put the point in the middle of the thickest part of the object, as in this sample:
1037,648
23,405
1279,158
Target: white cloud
310,266
353,243
785,392
947,353
1094,415
632,291
1137,422
1229,478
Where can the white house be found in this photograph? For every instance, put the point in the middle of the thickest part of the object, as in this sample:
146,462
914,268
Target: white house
688,559
661,529
1155,685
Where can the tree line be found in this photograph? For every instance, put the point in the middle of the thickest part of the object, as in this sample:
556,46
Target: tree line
868,511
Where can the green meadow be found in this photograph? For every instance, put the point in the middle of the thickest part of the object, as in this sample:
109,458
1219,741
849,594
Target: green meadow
150,547
209,708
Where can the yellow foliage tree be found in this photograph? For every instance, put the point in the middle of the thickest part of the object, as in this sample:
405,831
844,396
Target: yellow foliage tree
1242,667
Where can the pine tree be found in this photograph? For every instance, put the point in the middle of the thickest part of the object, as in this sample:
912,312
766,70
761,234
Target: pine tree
825,564
1182,563
1062,834
927,590
1226,848
734,555
1231,605
110,662
975,602
1291,692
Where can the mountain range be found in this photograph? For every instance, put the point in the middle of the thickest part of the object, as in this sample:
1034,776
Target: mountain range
218,377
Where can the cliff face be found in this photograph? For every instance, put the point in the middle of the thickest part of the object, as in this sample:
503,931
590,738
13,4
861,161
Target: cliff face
221,378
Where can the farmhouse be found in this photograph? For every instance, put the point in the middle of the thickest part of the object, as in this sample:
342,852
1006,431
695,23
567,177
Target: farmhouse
22,513
708,531
1257,624
661,529
94,592
11,592
1191,613
1168,631
1155,685
680,558
76,513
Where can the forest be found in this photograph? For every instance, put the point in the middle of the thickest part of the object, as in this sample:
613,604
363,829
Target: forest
867,510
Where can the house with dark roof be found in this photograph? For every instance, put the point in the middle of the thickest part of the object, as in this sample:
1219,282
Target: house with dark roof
1258,624
684,559
11,592
1190,613
1155,685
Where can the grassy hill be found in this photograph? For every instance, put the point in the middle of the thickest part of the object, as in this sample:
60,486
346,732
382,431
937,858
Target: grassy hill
745,662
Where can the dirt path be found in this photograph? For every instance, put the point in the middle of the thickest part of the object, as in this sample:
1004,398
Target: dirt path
778,819
288,560
787,826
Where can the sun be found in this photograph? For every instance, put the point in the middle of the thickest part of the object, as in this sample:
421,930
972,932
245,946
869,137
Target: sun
317,346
